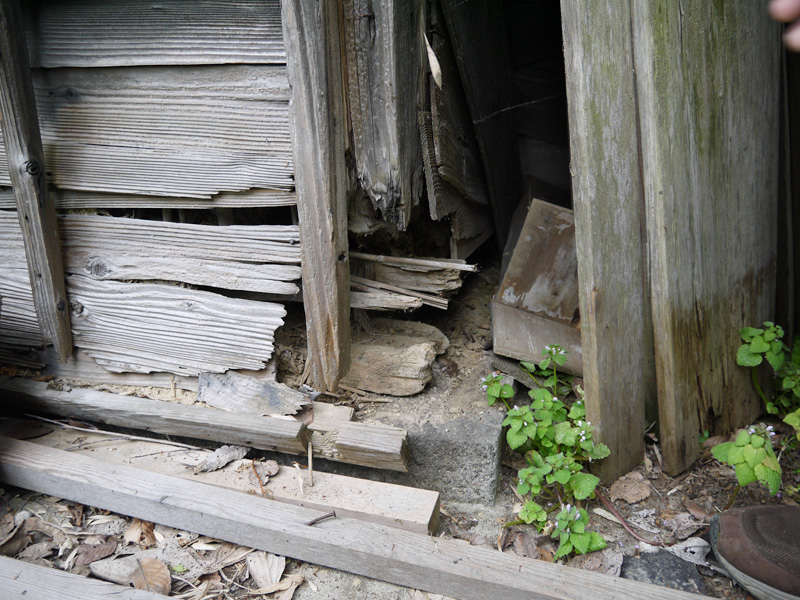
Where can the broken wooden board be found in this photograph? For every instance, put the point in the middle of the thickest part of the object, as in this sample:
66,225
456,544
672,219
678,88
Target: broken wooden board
379,446
371,299
537,302
240,393
265,433
20,579
449,567
395,358
388,504
256,258
144,327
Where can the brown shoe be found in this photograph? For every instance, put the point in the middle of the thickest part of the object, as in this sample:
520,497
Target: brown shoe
760,548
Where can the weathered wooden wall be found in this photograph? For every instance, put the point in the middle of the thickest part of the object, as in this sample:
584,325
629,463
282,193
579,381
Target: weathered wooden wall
707,81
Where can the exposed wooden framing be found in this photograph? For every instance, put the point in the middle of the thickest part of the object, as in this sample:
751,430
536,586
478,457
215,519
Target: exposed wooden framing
478,35
449,567
146,327
710,165
317,121
385,60
616,328
22,142
378,446
443,198
20,580
257,258
411,262
137,32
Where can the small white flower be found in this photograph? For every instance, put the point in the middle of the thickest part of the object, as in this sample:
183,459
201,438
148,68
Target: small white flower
555,399
771,433
751,431
568,507
561,352
484,387
516,407
769,427
548,348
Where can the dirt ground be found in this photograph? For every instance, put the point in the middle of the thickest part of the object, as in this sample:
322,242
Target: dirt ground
657,506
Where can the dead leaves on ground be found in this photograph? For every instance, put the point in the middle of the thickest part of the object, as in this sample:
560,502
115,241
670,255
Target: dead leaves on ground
151,575
140,533
631,488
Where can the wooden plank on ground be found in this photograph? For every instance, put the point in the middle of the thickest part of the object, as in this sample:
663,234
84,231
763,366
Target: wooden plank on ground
318,124
22,580
22,142
449,567
243,394
147,327
616,327
256,258
710,171
385,64
85,33
265,433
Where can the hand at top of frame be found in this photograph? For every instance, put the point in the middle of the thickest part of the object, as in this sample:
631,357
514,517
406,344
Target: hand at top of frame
788,11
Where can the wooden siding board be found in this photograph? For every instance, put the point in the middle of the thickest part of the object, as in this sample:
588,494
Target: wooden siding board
710,164
616,328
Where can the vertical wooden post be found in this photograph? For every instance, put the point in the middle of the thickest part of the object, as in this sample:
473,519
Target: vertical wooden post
616,332
35,209
707,79
311,33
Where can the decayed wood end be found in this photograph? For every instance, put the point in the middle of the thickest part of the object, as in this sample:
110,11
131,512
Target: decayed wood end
710,165
138,32
616,327
317,123
240,393
22,142
265,433
369,299
144,327
449,567
385,60
477,32
258,258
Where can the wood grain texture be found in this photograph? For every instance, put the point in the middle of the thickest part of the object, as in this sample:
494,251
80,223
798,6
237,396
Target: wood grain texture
710,165
317,120
367,299
478,35
616,327
257,258
385,62
265,433
144,327
87,33
449,567
22,142
243,394
22,580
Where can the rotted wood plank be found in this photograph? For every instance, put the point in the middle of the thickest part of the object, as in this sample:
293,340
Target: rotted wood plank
257,258
144,327
85,33
265,433
318,124
449,567
711,185
22,142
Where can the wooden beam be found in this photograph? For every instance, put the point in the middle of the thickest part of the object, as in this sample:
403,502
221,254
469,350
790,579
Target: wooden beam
616,329
22,580
317,119
448,567
35,210
710,165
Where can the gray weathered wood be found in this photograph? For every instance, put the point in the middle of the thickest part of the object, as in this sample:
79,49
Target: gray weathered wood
145,327
258,258
412,262
450,567
435,301
385,83
443,198
710,165
22,142
367,444
240,393
317,120
86,33
371,299
265,433
22,580
616,327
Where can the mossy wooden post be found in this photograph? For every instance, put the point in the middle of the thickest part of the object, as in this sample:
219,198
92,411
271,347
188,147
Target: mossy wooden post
311,32
707,79
616,333
35,209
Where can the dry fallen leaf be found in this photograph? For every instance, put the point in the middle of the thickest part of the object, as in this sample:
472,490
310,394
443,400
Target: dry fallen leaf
631,488
265,568
285,586
609,561
525,545
88,553
221,457
151,575
37,551
141,533
682,525
224,556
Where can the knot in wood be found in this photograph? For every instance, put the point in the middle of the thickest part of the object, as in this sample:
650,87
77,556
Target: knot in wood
32,168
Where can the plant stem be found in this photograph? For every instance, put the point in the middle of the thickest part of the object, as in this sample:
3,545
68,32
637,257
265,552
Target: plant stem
733,497
758,387
555,380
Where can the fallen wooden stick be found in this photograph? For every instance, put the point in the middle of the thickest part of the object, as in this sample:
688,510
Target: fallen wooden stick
457,265
448,567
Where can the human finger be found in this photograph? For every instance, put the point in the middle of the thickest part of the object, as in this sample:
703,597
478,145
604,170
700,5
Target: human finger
791,37
784,10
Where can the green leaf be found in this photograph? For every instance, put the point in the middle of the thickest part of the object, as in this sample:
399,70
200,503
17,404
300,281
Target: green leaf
506,391
577,411
545,363
756,441
596,542
560,359
748,333
743,438
515,439
770,462
775,359
563,550
736,455
528,366
721,451
562,476
788,383
581,542
793,419
583,485
600,451
769,477
745,474
758,345
745,358
754,456
565,433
